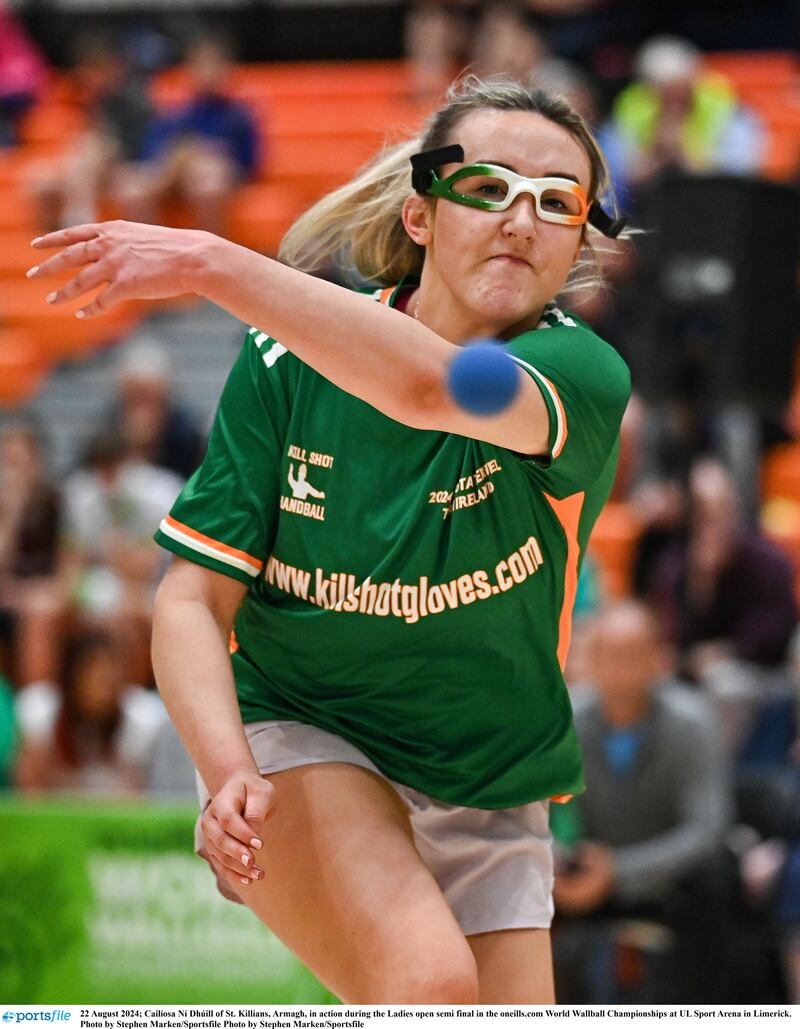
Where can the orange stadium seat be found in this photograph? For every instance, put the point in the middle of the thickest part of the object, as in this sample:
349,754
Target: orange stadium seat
56,121
16,210
780,488
782,159
261,213
308,79
780,472
613,545
15,164
331,115
314,165
16,253
22,366
321,122
56,330
747,69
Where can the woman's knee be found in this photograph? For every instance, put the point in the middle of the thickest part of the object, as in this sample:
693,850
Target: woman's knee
431,979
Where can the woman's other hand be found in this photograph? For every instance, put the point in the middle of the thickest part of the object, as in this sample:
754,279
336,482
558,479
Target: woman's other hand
232,825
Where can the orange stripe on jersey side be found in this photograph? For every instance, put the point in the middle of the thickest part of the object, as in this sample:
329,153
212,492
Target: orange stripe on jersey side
562,412
568,512
223,548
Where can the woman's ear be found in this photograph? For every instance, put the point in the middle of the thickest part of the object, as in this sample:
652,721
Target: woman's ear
418,219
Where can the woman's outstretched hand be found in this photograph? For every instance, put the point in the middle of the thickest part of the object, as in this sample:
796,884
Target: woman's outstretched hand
133,261
232,826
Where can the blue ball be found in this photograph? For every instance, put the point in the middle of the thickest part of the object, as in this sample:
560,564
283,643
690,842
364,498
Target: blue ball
482,378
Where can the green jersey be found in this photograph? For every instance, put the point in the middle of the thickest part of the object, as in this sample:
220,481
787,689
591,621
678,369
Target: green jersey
409,590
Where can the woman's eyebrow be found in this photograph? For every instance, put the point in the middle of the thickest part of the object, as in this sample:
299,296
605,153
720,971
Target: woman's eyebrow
547,175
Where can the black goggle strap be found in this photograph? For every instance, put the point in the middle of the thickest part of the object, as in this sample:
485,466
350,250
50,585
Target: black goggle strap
424,164
603,222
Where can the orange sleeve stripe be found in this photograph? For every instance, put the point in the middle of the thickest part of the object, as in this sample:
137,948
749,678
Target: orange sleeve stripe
223,548
386,294
568,512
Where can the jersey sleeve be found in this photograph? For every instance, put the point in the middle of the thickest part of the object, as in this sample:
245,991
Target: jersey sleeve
586,386
225,518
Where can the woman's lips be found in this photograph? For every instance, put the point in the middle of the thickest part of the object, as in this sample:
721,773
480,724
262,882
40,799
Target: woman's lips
512,258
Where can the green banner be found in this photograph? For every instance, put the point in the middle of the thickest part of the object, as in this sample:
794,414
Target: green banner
108,904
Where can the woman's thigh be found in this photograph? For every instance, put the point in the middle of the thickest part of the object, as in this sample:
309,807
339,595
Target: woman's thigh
515,966
347,892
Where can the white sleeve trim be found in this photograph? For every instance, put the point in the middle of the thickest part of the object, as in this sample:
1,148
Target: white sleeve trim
206,548
561,422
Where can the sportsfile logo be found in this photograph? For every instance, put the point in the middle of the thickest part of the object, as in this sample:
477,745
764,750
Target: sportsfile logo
54,1015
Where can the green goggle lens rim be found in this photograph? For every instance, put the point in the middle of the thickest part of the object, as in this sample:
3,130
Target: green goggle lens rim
444,188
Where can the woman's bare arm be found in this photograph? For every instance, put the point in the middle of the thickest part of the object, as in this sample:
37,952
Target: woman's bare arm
192,619
392,362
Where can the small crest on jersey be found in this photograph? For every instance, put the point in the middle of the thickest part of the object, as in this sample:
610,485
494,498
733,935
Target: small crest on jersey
305,478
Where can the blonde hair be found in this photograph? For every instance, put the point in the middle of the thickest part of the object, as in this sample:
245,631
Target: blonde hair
361,222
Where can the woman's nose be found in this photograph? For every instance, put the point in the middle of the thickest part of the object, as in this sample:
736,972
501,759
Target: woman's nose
521,217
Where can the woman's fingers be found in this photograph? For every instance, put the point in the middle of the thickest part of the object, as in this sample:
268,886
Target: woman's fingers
235,878
73,256
145,262
227,850
64,237
101,303
88,278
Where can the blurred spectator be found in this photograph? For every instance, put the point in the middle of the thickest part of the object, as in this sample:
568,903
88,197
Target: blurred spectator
728,595
22,74
31,600
8,733
199,153
596,33
118,116
677,117
153,426
647,846
112,506
93,735
768,811
491,37
660,504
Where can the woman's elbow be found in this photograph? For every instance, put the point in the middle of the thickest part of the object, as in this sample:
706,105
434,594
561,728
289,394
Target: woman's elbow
190,587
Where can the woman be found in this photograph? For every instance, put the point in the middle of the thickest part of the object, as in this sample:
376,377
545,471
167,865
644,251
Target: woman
94,734
400,572
31,596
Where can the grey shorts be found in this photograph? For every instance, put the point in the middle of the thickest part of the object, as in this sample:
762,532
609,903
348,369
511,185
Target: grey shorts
495,868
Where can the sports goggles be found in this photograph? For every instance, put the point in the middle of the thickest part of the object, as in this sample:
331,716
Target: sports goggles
494,188
491,187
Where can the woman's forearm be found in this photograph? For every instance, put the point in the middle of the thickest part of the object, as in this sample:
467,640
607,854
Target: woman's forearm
393,362
193,671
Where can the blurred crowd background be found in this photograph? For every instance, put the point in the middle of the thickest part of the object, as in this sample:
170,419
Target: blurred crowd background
679,869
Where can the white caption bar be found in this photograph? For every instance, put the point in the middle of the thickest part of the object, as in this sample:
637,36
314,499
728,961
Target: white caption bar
349,1016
